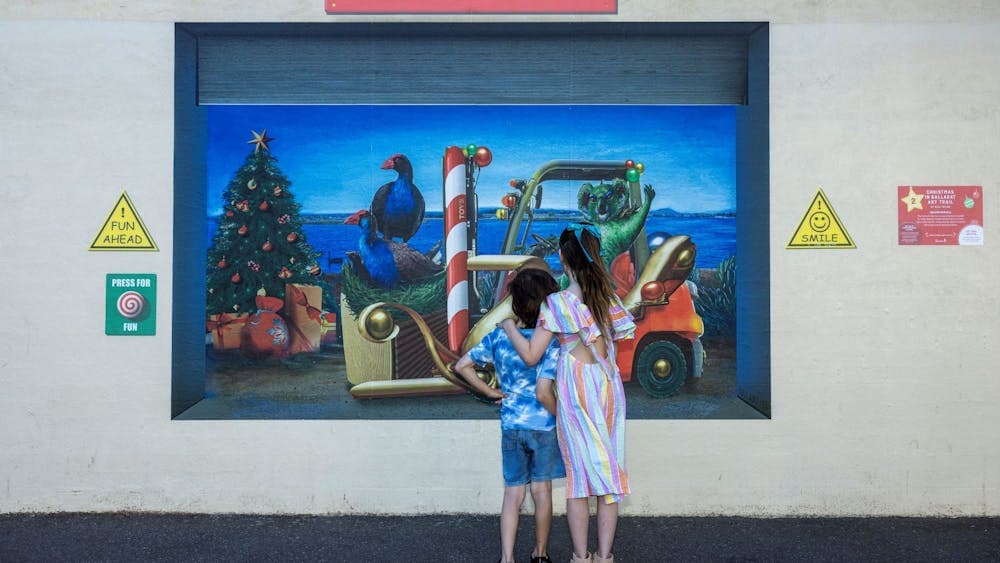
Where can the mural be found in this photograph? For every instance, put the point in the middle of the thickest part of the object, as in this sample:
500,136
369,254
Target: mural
355,252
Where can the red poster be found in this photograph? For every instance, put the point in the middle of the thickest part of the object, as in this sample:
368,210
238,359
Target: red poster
940,215
472,6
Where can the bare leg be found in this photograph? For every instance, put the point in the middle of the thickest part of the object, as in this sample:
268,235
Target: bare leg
578,517
607,522
513,497
541,495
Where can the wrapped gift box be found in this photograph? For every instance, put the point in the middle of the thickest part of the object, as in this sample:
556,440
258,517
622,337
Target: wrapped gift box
226,330
302,303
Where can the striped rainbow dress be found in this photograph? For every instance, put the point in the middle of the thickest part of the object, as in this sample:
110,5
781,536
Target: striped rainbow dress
590,410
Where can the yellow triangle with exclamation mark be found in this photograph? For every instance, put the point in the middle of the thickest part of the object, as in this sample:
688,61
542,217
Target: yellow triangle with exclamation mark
123,229
820,227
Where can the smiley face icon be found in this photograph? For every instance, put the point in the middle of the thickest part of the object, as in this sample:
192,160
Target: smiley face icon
819,221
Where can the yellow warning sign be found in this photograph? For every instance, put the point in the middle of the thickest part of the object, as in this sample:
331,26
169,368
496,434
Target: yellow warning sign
123,229
820,227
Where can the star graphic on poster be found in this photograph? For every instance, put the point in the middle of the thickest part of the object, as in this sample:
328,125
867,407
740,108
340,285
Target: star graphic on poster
913,200
260,139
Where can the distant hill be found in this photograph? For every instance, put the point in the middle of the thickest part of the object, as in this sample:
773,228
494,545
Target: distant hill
668,212
543,214
546,213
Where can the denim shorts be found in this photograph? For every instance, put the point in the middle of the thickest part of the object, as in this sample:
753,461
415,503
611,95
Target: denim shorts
530,455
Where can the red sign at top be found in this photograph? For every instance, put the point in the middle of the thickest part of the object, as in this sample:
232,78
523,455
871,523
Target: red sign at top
471,6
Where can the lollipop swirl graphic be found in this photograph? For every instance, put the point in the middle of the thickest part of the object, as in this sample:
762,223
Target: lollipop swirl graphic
131,304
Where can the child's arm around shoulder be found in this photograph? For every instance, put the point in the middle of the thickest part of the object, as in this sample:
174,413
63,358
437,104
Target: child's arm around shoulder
530,351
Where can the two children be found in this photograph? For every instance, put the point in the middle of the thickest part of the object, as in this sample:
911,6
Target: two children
585,317
528,436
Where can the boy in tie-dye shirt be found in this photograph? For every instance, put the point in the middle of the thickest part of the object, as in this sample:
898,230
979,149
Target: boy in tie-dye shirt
529,445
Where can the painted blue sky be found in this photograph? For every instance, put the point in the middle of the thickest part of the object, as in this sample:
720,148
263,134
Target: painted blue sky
332,154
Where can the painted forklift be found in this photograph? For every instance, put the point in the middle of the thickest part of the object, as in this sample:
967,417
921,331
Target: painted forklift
665,352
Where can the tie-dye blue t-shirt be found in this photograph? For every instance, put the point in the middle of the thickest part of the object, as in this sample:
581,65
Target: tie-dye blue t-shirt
521,409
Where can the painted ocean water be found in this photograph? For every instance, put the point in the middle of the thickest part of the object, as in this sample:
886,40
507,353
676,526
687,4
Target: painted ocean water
715,237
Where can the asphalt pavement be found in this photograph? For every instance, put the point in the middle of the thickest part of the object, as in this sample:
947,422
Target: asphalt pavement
473,538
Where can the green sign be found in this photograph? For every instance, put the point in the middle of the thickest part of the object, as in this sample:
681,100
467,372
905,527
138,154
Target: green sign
130,305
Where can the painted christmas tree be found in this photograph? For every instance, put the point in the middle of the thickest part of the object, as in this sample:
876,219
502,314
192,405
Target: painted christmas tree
259,243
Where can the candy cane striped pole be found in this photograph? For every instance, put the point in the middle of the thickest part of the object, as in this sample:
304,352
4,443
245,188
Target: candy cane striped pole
456,247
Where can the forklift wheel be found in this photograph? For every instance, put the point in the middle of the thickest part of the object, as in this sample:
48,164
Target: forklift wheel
661,369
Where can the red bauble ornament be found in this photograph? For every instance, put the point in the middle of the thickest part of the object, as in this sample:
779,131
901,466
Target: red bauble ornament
229,213
236,278
243,231
509,201
292,237
264,206
629,163
267,247
483,157
222,264
652,290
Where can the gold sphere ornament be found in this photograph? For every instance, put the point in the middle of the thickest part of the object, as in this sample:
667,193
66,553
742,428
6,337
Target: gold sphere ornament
379,324
662,368
640,167
685,258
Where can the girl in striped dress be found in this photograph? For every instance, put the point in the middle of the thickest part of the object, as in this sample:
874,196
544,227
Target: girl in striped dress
590,412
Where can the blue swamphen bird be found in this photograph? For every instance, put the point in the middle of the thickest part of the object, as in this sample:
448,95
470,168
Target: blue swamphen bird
387,262
374,255
398,206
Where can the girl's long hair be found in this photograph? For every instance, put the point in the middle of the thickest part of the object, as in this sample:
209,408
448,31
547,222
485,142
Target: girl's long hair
593,277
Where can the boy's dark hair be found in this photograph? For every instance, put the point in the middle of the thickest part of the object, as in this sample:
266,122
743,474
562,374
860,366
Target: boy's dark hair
528,291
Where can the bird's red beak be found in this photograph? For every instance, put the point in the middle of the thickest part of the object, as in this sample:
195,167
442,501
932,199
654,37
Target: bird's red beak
356,218
390,163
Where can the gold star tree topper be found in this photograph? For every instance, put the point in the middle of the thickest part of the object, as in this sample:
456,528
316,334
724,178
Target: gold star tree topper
913,200
260,139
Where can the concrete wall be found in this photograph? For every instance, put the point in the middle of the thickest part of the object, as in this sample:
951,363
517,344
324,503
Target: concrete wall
883,385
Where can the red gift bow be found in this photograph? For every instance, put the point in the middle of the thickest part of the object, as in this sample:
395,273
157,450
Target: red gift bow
299,297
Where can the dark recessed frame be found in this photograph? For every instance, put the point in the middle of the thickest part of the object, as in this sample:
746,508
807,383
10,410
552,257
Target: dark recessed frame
500,63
